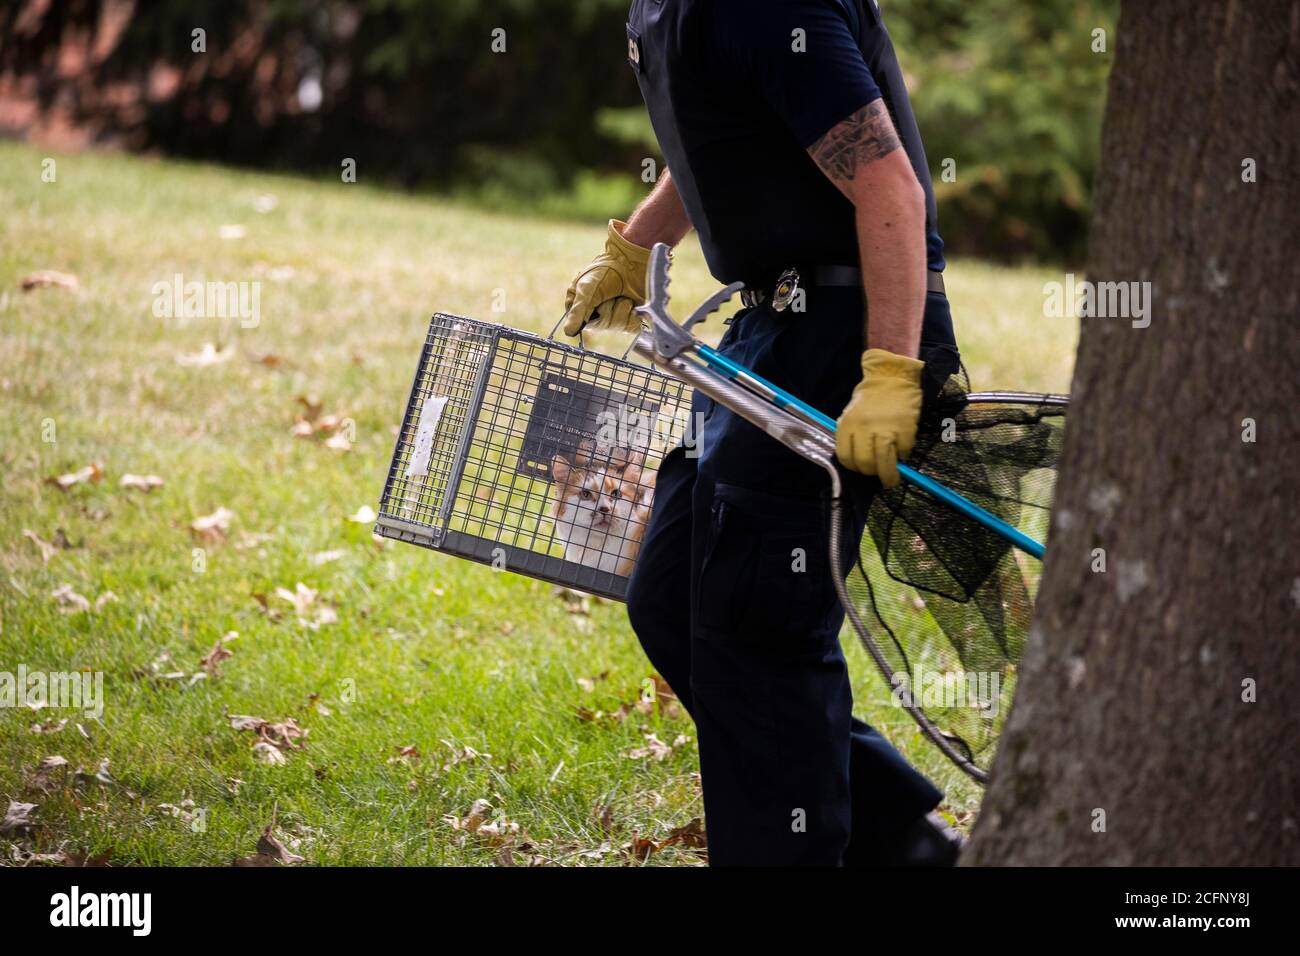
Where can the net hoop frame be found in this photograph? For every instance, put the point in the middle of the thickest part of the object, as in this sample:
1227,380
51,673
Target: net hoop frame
932,731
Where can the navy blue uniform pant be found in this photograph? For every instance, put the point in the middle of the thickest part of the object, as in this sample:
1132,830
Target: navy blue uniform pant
733,602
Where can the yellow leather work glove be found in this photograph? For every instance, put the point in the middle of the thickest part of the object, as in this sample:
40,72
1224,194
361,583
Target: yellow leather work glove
878,426
611,286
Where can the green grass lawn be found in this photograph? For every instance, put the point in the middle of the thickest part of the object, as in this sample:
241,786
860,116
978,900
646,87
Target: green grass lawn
484,674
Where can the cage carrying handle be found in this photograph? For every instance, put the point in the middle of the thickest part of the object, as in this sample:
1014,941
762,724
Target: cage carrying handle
556,327
626,352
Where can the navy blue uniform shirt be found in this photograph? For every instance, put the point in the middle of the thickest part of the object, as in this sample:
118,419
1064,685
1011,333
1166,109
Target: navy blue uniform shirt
737,90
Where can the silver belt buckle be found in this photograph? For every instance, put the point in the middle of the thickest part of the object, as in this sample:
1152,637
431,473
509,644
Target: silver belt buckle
786,287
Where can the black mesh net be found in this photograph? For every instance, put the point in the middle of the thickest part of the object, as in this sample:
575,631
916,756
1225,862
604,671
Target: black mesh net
946,601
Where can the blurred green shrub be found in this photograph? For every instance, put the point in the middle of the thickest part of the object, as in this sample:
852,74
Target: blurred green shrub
1012,92
414,90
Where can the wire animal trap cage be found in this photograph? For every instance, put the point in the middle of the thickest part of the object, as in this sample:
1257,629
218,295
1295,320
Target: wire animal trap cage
530,455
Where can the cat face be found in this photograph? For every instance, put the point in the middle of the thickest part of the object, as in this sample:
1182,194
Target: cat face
599,501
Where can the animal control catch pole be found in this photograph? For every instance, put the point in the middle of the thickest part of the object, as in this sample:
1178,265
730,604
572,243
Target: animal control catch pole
672,347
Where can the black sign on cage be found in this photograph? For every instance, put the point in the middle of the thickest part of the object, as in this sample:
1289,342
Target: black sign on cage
530,455
568,412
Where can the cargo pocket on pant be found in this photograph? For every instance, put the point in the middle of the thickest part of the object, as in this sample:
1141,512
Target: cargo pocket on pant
765,578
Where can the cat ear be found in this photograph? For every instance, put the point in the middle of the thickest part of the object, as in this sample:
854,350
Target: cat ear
624,458
637,456
646,488
585,449
560,468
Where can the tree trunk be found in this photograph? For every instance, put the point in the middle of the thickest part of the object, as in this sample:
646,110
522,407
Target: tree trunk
1156,721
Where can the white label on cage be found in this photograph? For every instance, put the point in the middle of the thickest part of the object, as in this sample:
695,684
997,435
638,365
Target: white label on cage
430,415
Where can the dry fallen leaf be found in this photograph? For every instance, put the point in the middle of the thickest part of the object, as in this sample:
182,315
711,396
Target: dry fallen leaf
50,279
365,515
325,557
407,754
144,483
41,779
272,739
462,755
92,472
494,831
210,661
264,602
691,835
252,539
640,848
270,846
655,748
478,812
82,858
184,811
655,695
330,423
100,775
617,716
23,855
301,597
157,672
311,406
498,831
310,614
338,442
51,726
70,602
211,529
232,230
246,722
17,818
664,699
270,852
208,355
575,602
505,856
269,753
46,549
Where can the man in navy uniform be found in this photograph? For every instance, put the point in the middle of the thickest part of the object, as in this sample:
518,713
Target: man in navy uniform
793,152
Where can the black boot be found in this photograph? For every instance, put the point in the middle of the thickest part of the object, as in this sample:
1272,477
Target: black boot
930,841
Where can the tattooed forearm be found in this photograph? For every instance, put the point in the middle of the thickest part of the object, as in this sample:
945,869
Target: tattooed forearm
864,137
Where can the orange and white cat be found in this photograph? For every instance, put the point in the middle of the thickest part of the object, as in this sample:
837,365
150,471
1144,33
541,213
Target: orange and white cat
601,507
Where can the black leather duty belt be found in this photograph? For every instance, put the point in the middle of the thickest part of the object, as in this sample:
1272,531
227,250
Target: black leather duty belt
790,282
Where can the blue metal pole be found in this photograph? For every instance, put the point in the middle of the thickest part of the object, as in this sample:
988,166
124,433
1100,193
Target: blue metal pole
783,399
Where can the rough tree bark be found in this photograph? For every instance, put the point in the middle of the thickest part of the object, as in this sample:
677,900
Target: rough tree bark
1131,690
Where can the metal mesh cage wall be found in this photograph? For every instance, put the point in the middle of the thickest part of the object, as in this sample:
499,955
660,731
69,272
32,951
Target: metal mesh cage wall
530,455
